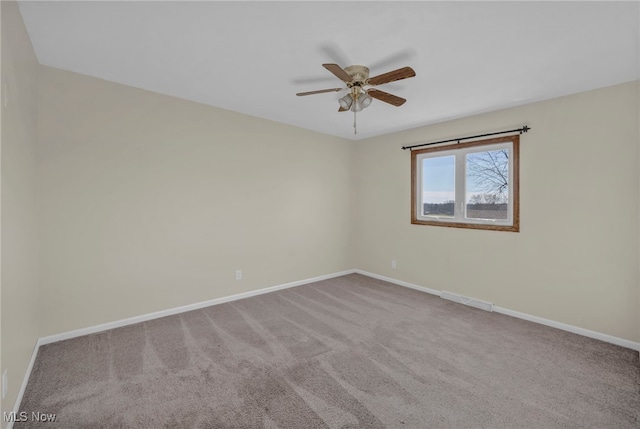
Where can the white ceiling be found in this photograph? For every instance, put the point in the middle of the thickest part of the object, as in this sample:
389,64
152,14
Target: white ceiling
253,57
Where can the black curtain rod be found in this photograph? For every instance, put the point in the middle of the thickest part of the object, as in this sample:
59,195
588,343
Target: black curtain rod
524,129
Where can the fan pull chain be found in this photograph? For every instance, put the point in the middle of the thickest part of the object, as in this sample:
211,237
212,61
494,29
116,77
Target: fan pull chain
355,130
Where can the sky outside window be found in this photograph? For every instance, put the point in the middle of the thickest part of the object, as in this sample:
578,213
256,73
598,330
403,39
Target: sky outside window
438,179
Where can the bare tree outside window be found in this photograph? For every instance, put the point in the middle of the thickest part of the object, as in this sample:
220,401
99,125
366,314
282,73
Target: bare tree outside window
489,173
488,184
489,199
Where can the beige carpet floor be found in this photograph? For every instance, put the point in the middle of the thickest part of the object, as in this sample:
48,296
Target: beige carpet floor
350,352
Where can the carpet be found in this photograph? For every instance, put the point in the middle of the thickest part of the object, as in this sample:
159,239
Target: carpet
349,352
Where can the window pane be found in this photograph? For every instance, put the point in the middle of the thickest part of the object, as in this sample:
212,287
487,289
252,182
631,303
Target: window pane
438,186
487,191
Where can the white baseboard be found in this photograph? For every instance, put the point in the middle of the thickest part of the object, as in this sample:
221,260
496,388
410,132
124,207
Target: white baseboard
399,282
25,380
559,325
570,328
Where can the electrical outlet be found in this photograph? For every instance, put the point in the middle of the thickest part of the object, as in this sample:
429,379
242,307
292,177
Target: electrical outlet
394,264
238,274
5,383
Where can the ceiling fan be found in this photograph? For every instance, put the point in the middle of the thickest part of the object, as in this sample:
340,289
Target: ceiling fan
357,79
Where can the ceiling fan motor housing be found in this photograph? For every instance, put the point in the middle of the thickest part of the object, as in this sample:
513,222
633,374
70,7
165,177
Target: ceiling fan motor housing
359,74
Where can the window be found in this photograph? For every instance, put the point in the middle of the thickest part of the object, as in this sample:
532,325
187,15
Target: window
467,185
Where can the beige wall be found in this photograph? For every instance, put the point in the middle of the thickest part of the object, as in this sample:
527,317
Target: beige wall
150,202
576,258
19,263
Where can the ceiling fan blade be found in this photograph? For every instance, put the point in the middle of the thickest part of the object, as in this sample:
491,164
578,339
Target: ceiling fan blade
403,73
333,52
399,57
320,91
386,97
338,71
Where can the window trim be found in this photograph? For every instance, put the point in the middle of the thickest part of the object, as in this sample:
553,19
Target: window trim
514,184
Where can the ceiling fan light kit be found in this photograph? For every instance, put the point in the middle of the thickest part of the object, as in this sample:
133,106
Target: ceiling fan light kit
346,102
356,78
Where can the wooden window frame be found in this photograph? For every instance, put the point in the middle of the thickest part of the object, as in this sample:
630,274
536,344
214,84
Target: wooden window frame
514,184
